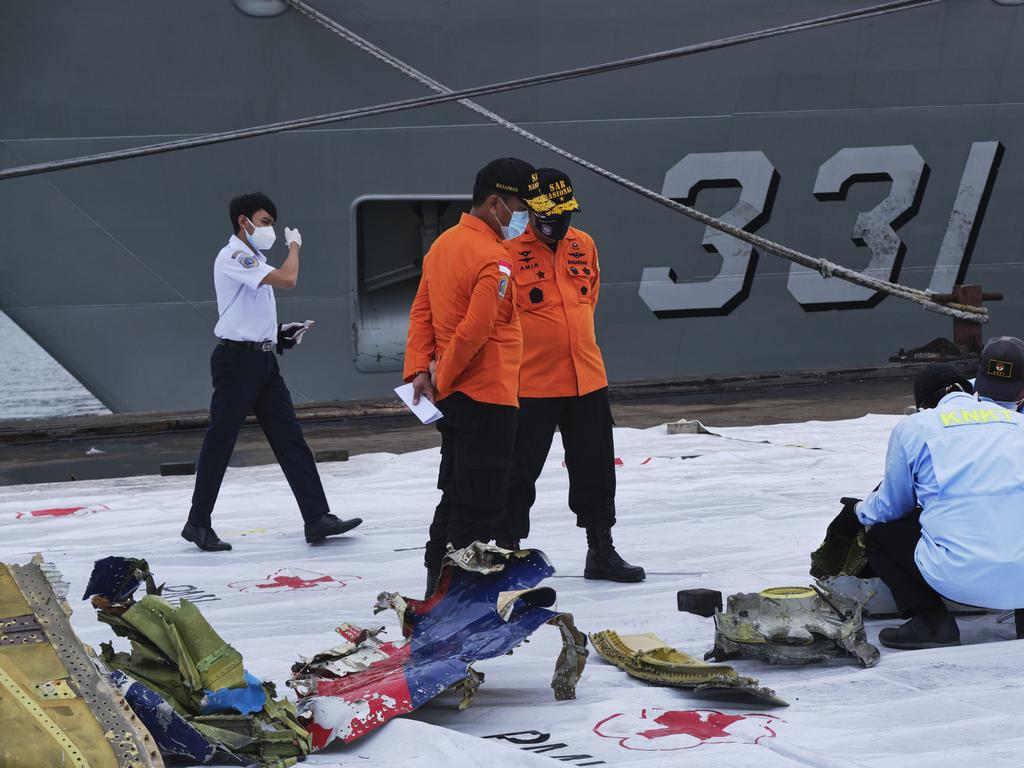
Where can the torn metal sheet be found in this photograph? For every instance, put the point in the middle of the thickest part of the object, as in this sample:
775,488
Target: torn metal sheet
56,708
487,602
176,655
117,579
791,626
841,552
649,658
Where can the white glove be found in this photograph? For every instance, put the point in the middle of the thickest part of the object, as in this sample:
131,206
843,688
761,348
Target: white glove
292,236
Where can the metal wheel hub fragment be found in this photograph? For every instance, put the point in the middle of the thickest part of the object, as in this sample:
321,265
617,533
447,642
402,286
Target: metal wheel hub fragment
487,602
55,706
792,626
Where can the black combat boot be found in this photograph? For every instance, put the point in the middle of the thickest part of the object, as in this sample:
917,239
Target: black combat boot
926,630
204,538
603,562
329,525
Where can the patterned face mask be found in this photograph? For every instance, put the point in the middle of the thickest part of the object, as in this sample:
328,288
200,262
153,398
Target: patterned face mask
553,227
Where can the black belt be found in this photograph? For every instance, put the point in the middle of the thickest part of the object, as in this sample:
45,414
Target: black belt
252,346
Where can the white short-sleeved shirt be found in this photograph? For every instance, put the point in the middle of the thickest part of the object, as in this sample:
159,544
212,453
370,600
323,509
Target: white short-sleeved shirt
247,309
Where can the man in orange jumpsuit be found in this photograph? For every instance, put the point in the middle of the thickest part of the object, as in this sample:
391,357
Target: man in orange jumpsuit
464,321
562,382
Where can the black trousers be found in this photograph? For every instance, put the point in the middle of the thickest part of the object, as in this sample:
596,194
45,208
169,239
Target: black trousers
890,550
586,426
476,457
247,382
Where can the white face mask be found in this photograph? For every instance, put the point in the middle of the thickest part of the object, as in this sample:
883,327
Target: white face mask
262,238
516,225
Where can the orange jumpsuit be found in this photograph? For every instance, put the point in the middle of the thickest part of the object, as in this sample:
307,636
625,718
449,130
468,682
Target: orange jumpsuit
465,316
557,297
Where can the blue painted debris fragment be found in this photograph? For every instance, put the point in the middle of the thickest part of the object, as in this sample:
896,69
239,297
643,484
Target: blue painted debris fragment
486,603
172,733
244,701
116,578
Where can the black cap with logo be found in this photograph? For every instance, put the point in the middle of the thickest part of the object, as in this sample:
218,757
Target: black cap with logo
1001,369
556,196
931,384
509,176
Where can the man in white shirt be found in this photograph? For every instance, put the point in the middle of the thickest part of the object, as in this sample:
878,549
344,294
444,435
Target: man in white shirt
246,377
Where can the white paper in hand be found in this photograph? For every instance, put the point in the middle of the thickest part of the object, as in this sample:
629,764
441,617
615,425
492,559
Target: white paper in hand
426,411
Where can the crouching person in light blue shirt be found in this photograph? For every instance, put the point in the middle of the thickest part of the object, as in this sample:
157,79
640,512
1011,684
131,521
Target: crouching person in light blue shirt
962,462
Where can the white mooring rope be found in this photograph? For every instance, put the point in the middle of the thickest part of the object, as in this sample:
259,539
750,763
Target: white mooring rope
825,267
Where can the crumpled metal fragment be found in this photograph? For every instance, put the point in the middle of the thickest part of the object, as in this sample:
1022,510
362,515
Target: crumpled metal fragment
486,603
178,657
571,660
56,708
647,657
792,626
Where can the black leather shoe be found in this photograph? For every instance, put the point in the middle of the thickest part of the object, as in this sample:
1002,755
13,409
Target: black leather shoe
204,538
603,562
922,632
329,525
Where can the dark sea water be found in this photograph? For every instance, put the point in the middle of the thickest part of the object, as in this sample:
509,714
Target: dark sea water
33,384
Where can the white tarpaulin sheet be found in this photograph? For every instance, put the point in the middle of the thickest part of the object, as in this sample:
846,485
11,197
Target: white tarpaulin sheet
741,512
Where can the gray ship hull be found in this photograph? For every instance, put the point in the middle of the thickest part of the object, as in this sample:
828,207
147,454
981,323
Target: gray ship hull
891,145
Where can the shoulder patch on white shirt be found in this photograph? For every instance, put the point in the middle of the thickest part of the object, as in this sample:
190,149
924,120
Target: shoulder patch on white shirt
247,260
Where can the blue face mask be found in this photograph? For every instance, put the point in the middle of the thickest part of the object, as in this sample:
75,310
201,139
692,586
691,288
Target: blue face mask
516,225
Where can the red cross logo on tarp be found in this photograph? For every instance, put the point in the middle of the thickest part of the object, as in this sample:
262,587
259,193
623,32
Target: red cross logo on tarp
288,579
661,730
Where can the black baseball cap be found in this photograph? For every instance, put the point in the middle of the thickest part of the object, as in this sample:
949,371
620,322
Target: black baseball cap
509,176
556,196
930,383
1001,369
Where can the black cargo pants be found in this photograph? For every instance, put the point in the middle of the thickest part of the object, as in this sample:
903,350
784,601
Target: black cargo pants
586,426
890,549
247,381
476,457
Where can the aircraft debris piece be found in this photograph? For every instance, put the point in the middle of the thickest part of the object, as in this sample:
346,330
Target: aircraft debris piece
792,626
647,657
56,707
687,427
487,602
173,734
181,660
842,550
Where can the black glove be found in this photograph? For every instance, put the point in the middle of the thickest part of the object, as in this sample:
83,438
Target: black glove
846,523
290,334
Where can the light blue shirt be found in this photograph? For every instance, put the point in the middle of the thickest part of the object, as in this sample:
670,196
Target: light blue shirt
248,311
963,462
